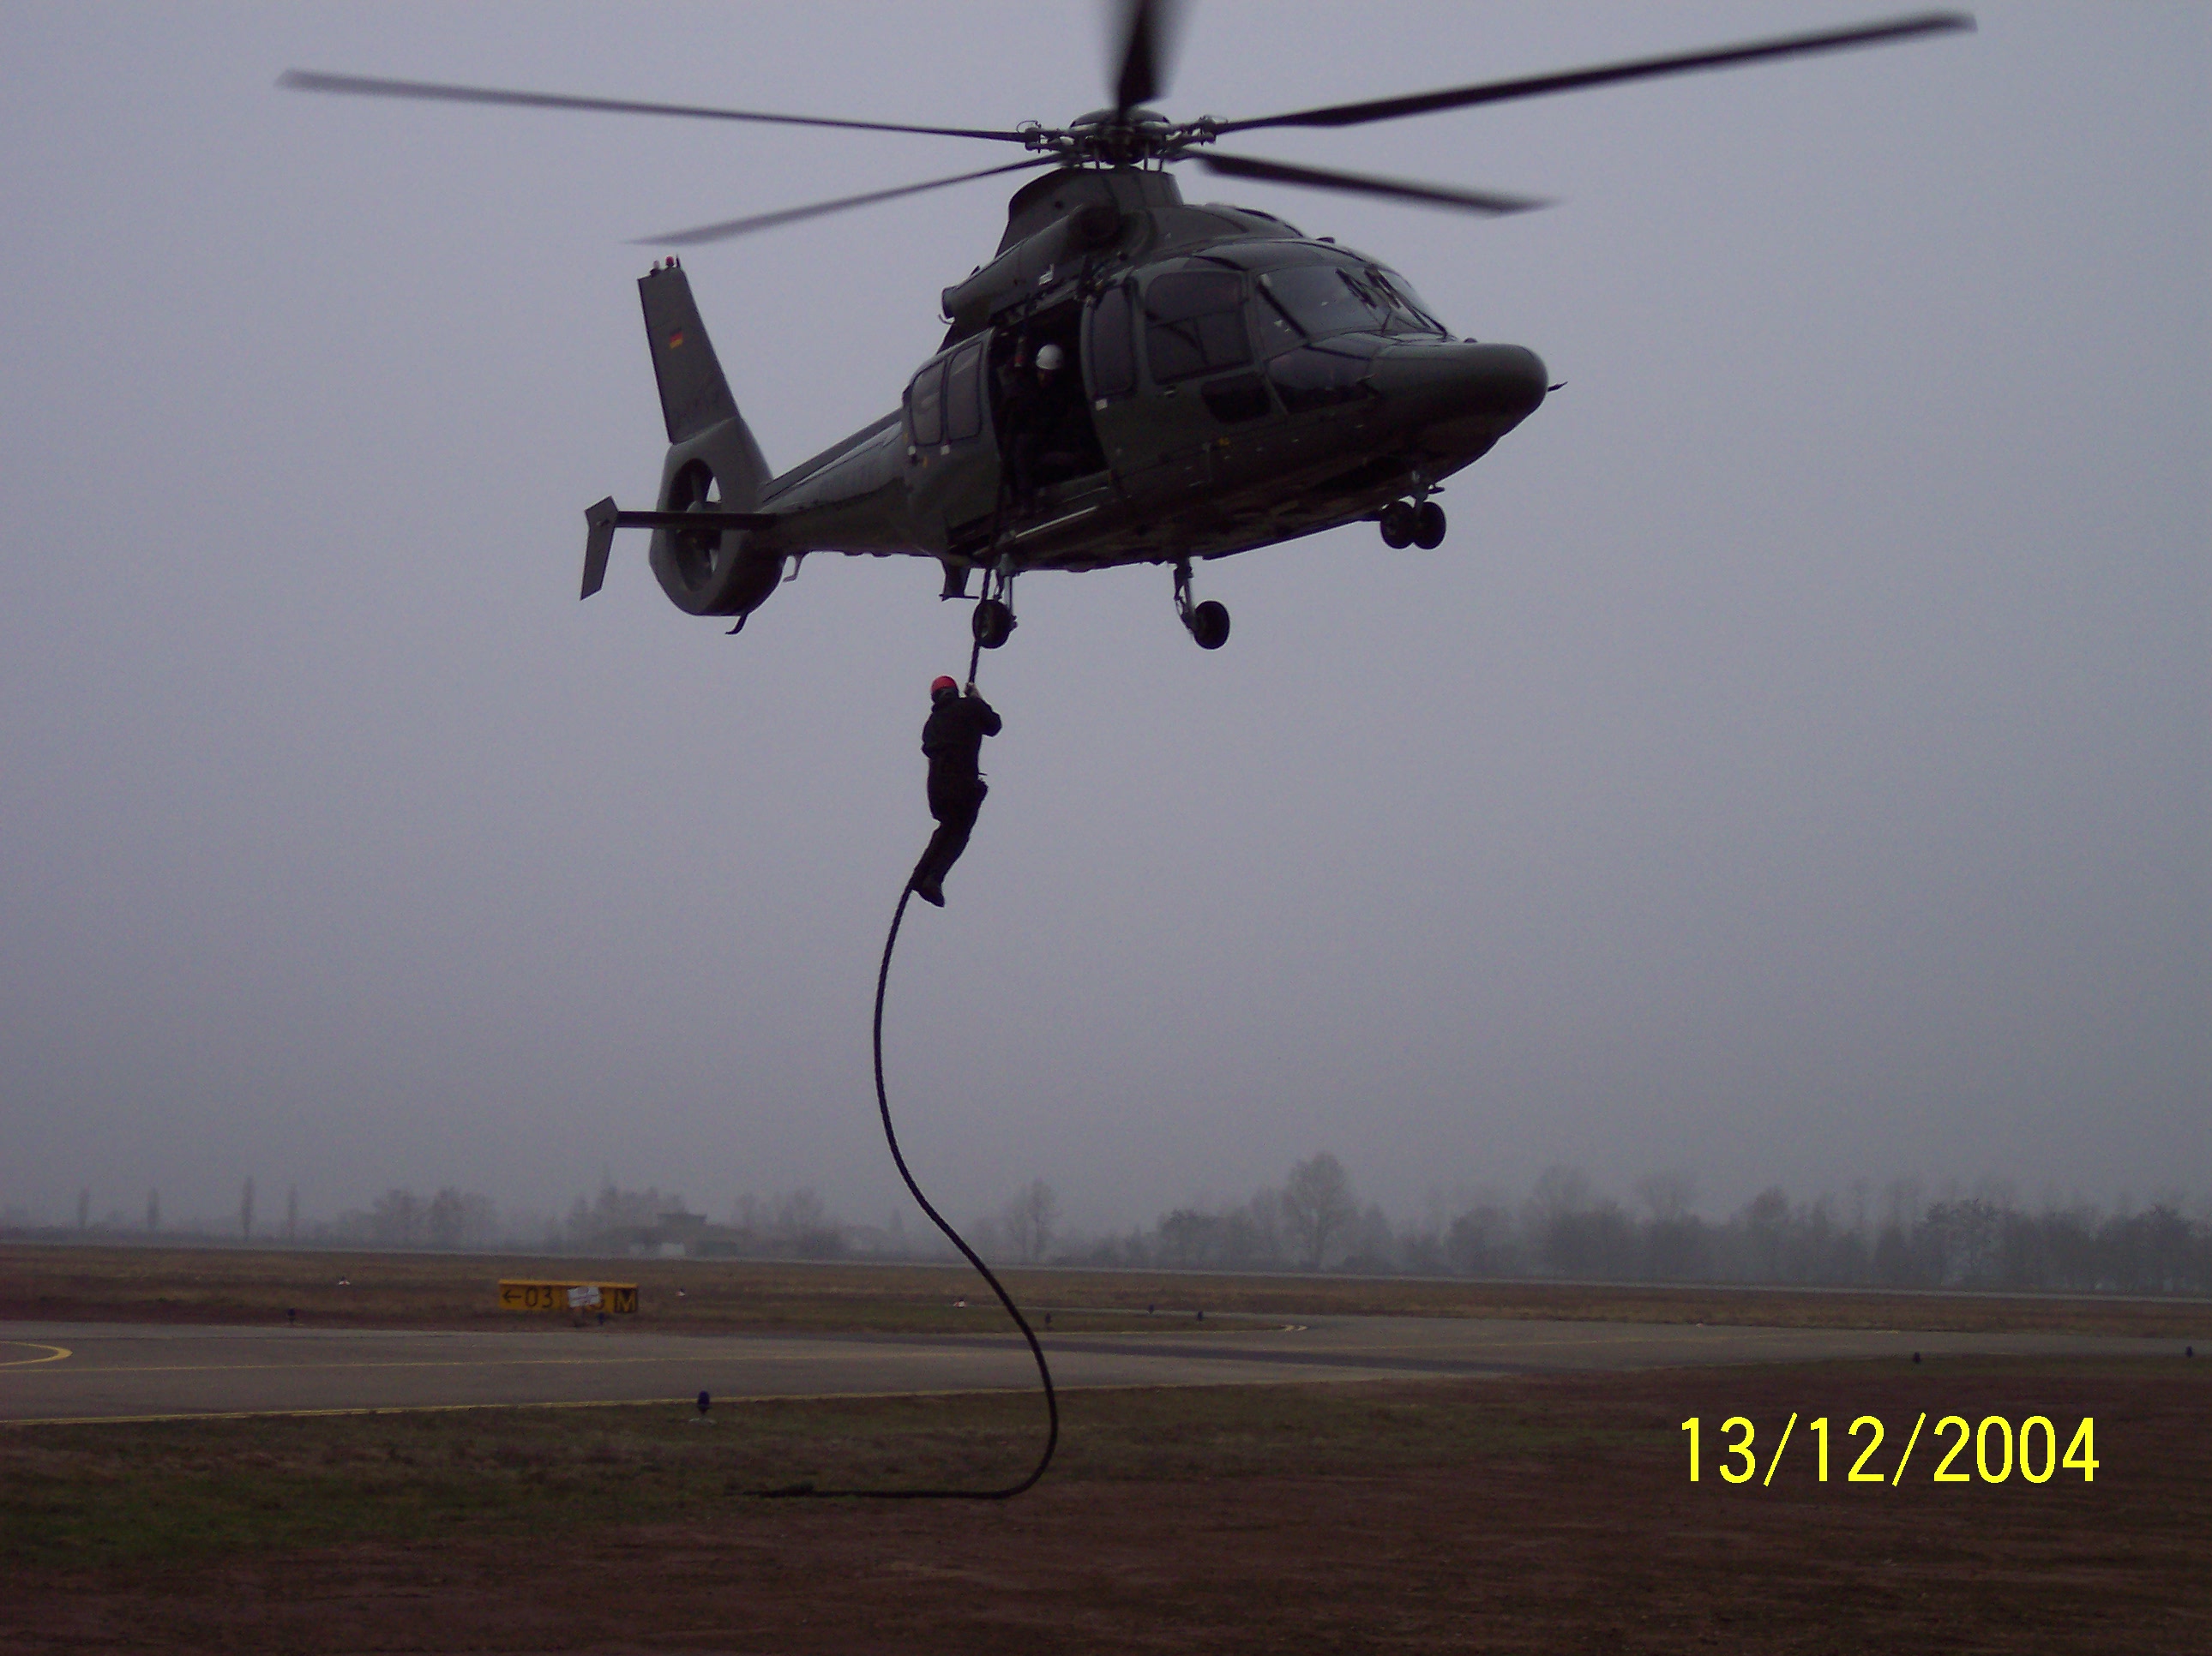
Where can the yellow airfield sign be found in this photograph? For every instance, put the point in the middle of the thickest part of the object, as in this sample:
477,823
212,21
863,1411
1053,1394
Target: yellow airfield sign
620,1298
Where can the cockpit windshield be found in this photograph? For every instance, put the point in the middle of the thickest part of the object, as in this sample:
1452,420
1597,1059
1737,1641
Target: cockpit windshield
1315,301
1321,300
1410,313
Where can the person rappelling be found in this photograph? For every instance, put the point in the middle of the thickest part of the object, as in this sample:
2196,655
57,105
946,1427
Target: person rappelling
953,739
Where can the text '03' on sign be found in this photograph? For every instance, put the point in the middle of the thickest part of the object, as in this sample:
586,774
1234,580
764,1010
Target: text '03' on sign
619,1298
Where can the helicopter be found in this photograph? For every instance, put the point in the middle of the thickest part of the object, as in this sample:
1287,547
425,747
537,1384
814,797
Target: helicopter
1128,380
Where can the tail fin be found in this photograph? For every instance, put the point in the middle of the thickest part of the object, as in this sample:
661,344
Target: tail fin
694,395
714,467
702,417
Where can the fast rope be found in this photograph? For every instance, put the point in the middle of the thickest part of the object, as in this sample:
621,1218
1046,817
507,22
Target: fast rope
1044,1373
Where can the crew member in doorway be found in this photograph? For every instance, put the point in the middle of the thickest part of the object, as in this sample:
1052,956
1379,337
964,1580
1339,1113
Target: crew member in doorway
953,739
1043,415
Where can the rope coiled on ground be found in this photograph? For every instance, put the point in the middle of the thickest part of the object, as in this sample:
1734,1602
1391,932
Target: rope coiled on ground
1044,1372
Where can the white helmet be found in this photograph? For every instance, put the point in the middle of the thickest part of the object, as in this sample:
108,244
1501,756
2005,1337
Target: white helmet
1050,359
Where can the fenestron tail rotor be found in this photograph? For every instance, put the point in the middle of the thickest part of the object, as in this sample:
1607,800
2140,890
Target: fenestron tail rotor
1130,135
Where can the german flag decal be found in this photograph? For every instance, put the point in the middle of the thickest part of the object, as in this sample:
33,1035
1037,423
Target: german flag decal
676,339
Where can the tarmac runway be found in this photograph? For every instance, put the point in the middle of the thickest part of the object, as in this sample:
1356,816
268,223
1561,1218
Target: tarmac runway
68,1373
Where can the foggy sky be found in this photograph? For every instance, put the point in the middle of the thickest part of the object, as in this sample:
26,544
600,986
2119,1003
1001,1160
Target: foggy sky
1792,769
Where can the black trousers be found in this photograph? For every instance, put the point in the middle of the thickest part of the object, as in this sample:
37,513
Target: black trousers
954,806
1038,460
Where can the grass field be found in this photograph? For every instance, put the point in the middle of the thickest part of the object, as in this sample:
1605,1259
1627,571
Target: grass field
444,1290
1551,1515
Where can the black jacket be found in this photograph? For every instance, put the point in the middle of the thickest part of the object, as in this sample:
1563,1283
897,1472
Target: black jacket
953,738
1045,417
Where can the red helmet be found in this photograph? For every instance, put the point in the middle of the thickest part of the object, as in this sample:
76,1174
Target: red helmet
941,683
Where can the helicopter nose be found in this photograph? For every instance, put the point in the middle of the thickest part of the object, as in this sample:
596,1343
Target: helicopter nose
1483,391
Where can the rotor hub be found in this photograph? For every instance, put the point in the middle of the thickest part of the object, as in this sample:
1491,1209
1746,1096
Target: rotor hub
1120,137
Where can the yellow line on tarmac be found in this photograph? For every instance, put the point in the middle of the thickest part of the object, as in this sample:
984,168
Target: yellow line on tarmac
54,1354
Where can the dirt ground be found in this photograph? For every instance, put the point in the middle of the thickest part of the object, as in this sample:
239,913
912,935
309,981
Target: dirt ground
1523,1515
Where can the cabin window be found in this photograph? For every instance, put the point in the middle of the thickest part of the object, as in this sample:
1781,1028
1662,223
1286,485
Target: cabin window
1273,323
1113,345
1236,396
925,404
964,396
1194,323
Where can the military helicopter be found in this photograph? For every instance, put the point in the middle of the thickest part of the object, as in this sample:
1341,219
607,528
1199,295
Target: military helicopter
1227,382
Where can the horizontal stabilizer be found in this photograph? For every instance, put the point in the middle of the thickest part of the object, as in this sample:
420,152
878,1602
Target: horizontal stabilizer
603,518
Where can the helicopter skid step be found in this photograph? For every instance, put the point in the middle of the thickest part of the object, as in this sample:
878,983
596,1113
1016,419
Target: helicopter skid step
1030,532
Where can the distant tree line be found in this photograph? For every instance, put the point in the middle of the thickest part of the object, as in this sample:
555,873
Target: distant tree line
1313,1221
450,1218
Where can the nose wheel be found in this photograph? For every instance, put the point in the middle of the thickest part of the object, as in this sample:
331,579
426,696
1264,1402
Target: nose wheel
1208,622
1404,523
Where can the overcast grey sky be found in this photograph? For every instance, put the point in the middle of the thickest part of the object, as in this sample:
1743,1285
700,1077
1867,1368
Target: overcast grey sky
1793,767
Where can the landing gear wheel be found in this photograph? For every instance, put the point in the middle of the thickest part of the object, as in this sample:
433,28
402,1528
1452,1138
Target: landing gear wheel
1396,521
1209,624
1429,526
992,624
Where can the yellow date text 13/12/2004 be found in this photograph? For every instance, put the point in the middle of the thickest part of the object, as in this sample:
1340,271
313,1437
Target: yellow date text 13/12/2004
1998,1450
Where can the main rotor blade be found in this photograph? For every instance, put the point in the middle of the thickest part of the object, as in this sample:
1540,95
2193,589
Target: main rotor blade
1144,42
1793,45
729,227
1359,183
304,79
